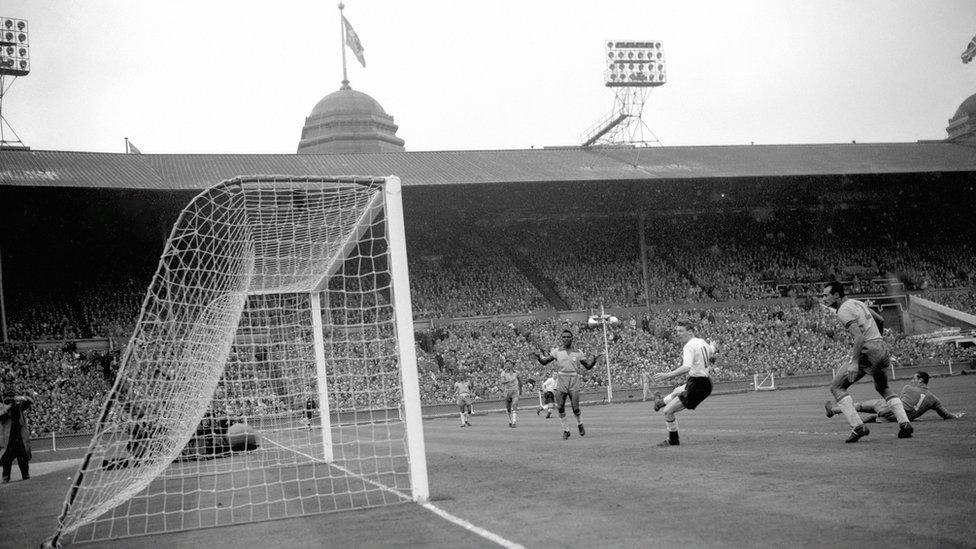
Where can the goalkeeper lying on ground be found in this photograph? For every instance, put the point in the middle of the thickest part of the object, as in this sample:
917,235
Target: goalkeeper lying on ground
915,397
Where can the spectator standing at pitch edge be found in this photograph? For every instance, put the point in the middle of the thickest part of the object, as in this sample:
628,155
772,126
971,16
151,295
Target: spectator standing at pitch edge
869,355
14,433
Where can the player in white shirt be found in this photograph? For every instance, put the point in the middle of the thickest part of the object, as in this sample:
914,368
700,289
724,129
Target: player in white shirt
548,397
696,362
869,355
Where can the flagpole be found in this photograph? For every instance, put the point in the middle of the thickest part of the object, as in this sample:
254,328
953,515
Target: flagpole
342,46
126,145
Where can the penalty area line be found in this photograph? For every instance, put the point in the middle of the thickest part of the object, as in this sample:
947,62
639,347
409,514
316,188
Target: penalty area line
488,535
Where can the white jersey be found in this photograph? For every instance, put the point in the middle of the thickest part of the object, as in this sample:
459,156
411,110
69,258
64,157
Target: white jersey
549,385
696,355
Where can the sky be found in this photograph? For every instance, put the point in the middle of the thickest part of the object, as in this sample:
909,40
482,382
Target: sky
240,76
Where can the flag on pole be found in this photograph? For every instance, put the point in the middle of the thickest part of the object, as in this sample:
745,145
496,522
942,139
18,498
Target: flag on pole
970,52
132,148
352,40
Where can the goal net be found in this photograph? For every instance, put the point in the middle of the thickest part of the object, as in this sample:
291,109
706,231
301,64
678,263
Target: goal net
764,382
272,371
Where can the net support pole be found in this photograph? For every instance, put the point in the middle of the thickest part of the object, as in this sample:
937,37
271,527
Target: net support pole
606,353
400,285
318,342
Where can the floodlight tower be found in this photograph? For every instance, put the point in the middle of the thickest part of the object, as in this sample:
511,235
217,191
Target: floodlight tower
603,319
634,67
14,61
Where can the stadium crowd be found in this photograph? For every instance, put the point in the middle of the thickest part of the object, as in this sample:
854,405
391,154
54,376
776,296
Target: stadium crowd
478,270
784,338
731,262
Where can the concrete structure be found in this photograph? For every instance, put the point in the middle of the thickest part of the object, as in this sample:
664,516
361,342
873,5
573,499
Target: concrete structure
349,121
962,125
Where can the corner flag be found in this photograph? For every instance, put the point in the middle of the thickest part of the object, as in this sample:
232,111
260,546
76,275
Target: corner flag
352,40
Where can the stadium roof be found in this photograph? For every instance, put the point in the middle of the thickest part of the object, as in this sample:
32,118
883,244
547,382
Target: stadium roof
32,168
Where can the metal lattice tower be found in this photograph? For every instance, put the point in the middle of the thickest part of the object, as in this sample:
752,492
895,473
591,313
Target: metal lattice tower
633,69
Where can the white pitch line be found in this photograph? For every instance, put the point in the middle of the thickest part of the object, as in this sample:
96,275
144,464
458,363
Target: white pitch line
488,535
830,434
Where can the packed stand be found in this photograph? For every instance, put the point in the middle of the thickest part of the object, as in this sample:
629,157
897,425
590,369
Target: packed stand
455,271
68,387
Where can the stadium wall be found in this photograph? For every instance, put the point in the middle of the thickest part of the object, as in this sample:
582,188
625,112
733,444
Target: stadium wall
927,316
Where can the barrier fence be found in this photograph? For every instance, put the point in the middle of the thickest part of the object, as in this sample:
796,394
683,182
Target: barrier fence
74,442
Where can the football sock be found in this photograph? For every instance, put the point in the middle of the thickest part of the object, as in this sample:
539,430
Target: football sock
462,418
514,416
672,431
899,409
846,405
562,421
579,419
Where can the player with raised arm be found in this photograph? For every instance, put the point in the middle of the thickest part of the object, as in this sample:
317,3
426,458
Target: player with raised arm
511,387
568,362
463,392
696,359
869,355
661,402
548,397
915,397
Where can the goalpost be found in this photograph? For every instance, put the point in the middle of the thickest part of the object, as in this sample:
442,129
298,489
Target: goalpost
764,382
272,371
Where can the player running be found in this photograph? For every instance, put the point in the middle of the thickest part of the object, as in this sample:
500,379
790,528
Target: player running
511,387
568,362
696,359
547,397
869,355
916,398
463,392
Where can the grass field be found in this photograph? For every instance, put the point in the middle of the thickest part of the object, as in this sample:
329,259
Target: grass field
762,469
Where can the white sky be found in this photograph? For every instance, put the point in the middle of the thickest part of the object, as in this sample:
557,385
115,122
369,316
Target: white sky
240,76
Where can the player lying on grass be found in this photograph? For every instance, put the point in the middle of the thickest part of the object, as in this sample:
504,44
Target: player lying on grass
569,364
696,361
915,397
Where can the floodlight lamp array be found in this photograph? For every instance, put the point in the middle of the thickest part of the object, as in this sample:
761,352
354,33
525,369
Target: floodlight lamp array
635,63
14,47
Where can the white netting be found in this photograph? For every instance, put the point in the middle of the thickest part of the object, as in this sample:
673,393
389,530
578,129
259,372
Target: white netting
227,335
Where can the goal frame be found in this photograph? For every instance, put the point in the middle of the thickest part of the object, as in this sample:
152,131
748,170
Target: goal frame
392,208
764,382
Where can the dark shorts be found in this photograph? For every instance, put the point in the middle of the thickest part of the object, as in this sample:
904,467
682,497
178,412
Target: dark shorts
696,390
548,397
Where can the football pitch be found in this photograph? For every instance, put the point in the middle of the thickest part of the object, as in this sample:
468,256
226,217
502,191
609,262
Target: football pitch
756,469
